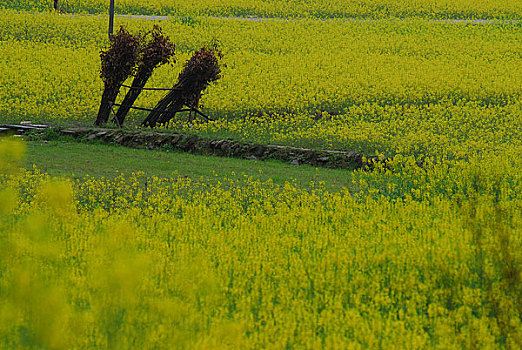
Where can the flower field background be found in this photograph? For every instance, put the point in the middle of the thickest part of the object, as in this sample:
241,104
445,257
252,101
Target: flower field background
404,256
483,9
420,86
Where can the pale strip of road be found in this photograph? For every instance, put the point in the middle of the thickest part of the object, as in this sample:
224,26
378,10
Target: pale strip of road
348,19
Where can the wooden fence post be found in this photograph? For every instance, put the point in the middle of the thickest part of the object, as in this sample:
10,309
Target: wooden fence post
111,19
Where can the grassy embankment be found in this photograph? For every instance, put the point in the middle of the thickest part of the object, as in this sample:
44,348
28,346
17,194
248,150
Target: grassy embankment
76,160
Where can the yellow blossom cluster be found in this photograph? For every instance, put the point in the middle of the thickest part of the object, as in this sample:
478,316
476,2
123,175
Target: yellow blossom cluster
406,257
415,85
484,9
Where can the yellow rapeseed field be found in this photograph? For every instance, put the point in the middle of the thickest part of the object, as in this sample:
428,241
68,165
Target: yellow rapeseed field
438,88
484,9
409,257
425,252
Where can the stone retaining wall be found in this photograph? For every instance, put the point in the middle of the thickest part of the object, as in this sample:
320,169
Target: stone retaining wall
205,146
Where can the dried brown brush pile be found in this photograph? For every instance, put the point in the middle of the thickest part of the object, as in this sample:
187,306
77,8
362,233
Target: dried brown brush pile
159,50
199,71
117,64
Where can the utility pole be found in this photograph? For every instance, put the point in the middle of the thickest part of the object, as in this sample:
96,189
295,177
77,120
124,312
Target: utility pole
111,19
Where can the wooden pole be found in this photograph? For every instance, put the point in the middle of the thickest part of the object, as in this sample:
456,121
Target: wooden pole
111,19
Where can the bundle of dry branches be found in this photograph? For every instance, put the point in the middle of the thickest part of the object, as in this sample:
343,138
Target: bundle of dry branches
199,71
117,64
157,51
